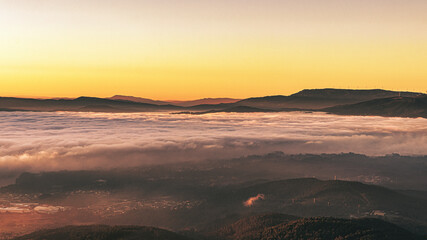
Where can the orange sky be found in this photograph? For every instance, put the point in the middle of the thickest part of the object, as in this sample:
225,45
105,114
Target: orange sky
191,49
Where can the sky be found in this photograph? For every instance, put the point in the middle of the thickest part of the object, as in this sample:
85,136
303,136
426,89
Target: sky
190,49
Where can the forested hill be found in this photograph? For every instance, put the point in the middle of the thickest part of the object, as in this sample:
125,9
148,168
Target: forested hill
102,232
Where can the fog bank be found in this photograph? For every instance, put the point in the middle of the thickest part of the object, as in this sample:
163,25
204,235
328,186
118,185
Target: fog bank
31,141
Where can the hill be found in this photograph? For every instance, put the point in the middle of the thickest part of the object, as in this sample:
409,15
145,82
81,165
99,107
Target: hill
197,197
98,108
103,232
311,197
190,103
204,101
236,109
250,227
138,99
320,98
387,107
271,226
309,99
361,95
81,104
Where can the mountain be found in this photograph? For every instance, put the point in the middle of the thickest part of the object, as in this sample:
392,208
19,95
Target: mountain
281,227
208,101
361,95
306,100
312,197
103,232
251,227
87,104
343,199
98,108
320,98
216,197
204,101
138,99
387,107
236,109
261,227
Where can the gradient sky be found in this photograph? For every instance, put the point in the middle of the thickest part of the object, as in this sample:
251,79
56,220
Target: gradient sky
186,49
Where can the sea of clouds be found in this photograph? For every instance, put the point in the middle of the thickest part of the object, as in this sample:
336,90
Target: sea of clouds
31,141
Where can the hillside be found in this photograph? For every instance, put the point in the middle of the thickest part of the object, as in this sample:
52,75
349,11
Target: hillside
266,227
138,99
320,98
194,195
81,104
236,109
310,99
360,95
387,107
190,103
250,227
306,197
311,197
204,101
102,232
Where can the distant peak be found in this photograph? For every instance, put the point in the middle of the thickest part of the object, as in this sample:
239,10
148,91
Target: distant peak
345,93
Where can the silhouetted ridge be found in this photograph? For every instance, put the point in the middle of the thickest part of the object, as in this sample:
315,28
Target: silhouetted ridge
250,227
309,99
388,107
350,93
102,232
279,227
82,104
321,98
235,109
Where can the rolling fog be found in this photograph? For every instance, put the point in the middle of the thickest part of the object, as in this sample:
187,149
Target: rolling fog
31,141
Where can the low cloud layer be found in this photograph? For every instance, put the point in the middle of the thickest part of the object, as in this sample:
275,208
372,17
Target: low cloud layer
55,141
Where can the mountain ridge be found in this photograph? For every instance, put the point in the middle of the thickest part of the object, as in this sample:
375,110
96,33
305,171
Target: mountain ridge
387,107
103,232
370,102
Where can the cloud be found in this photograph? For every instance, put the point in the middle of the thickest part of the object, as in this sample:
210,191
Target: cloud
32,141
251,201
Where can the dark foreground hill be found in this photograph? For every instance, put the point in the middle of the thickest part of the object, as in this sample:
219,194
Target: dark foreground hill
259,227
103,232
387,107
282,227
205,203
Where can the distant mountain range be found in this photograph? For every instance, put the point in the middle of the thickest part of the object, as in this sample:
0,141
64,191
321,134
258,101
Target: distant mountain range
177,103
375,102
320,98
81,104
138,99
